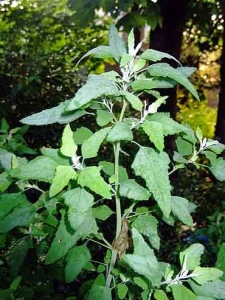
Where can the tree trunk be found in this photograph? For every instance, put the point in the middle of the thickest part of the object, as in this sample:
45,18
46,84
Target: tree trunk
168,38
220,123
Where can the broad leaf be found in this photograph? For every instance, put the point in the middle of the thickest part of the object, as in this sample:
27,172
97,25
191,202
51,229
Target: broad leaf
133,100
5,181
91,178
62,177
147,225
120,132
152,83
122,290
108,168
155,132
218,169
99,52
55,155
153,108
68,147
214,289
143,260
6,159
153,167
116,43
76,260
82,134
154,55
41,168
165,70
160,295
95,87
203,275
98,292
180,207
192,256
220,263
9,201
53,115
103,117
102,212
91,146
181,292
132,190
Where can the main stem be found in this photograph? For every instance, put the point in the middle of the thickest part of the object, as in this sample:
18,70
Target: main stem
117,202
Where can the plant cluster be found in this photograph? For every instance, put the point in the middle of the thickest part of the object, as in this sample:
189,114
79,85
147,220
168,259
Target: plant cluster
93,222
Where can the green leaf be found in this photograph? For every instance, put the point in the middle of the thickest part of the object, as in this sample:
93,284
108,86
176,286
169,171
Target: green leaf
68,147
20,216
6,159
80,203
180,207
116,43
133,100
120,132
132,190
141,283
214,289
218,169
5,181
165,70
203,275
155,132
160,295
168,124
91,146
91,178
131,42
125,59
154,55
192,256
108,168
143,260
55,155
95,87
82,134
41,168
9,201
99,52
122,290
76,260
102,212
62,177
147,225
220,263
153,83
153,167
139,64
53,115
17,254
181,292
65,237
103,117
98,292
153,108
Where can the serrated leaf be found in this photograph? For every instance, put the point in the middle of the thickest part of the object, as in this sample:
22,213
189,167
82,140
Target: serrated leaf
180,207
218,169
116,43
102,212
103,117
192,256
41,168
153,167
91,178
122,290
181,292
147,225
53,115
133,100
68,147
95,87
82,134
132,190
165,70
160,295
155,132
154,55
62,177
203,275
76,260
108,168
214,289
65,237
91,146
143,260
120,132
220,263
